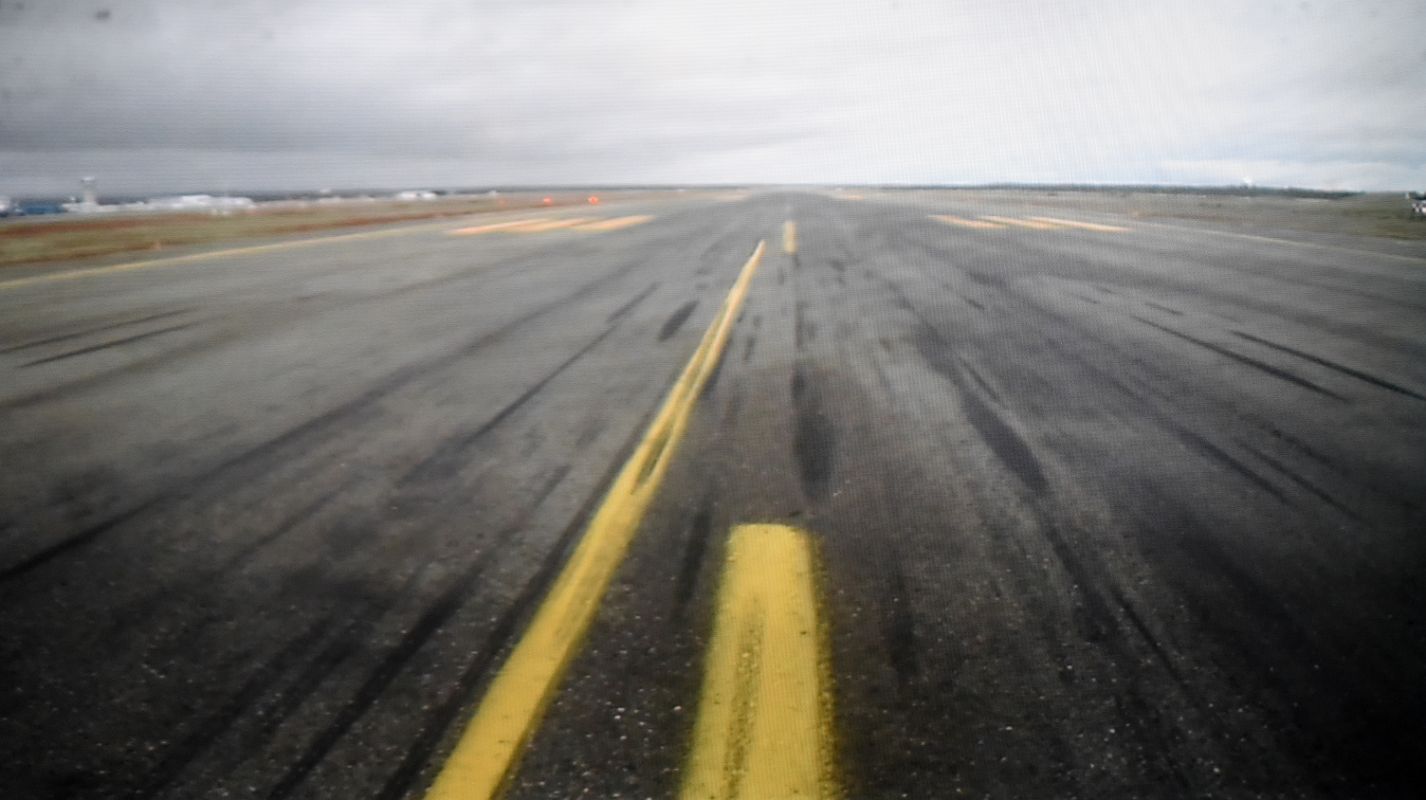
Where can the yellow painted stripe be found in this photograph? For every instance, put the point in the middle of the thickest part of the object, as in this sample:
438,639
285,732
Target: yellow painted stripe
615,224
789,237
495,226
193,258
963,222
1089,226
547,225
1022,223
491,745
765,718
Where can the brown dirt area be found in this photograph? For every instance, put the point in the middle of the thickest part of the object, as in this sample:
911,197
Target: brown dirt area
41,240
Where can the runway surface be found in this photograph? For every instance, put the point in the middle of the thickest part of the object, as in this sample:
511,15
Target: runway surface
1052,505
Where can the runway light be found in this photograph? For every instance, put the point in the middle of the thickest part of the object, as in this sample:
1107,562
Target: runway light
548,201
594,200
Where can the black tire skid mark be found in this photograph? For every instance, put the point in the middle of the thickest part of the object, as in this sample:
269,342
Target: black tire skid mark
436,615
252,462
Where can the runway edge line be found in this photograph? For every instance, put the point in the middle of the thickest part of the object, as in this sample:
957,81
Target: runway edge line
488,751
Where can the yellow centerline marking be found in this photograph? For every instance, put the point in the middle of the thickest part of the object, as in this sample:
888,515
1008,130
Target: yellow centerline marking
173,261
964,223
548,225
1089,226
1022,223
789,237
494,226
488,750
615,224
765,717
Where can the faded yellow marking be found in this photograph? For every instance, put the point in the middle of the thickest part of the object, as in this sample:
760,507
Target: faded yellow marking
1089,226
789,237
615,224
964,223
548,225
1022,223
486,754
192,258
495,226
765,719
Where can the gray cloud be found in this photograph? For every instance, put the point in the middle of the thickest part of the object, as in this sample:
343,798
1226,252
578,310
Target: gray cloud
156,95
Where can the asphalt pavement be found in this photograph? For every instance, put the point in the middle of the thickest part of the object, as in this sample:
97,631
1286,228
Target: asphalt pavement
1083,506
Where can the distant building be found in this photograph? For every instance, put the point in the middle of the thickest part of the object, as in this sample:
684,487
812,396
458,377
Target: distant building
88,202
185,202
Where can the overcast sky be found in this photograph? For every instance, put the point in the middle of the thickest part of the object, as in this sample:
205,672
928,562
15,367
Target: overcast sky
213,95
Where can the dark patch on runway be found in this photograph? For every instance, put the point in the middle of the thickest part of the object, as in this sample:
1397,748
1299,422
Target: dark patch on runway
208,729
694,550
1306,485
676,320
74,541
64,337
1332,365
1217,453
814,439
1002,439
629,306
461,698
450,456
1165,309
436,615
980,381
1005,442
992,280
256,459
898,624
94,348
1261,366
804,329
153,603
1092,613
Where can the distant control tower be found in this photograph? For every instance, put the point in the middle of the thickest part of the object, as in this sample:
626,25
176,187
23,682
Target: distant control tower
89,188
